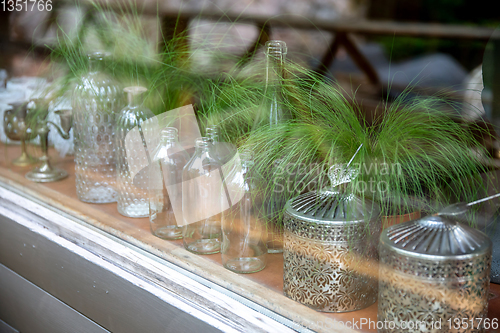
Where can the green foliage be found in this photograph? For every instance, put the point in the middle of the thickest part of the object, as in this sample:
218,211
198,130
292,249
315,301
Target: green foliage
412,153
423,149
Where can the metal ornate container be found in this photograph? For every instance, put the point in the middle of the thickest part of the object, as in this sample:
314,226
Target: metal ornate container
434,276
330,250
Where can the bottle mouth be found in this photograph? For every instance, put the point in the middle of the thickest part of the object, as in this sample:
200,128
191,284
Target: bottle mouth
169,133
247,158
98,55
135,90
276,48
246,155
212,131
203,142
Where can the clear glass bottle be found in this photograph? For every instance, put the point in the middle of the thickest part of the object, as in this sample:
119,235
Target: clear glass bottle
274,205
165,190
274,112
132,197
221,149
243,231
274,109
201,200
96,101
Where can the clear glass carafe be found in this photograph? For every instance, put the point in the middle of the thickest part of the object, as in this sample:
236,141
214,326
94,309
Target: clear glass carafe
165,190
243,231
132,197
96,101
201,200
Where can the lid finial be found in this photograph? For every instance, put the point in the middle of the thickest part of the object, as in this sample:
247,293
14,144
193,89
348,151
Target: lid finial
340,174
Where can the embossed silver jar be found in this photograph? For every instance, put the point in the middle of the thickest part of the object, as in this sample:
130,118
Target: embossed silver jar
434,277
96,101
330,253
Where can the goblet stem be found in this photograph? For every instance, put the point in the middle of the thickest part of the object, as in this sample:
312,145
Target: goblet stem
45,172
44,144
24,159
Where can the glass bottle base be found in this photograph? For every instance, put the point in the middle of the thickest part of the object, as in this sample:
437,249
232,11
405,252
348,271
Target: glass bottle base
275,246
168,232
245,264
203,246
137,210
275,240
102,194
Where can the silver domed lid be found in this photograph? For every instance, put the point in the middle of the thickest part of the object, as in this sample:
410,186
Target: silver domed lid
436,236
332,205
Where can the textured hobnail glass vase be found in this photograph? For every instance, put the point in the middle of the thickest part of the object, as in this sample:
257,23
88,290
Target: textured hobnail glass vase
165,190
96,100
133,200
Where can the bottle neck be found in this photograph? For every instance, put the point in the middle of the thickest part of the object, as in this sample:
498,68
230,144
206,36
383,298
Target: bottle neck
247,161
95,64
212,133
135,99
214,138
203,145
135,96
246,166
169,136
169,141
275,76
275,63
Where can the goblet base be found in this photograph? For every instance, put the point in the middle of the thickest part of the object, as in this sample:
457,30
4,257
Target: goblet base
47,175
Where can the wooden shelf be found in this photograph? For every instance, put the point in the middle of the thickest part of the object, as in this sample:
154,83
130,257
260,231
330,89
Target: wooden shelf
264,288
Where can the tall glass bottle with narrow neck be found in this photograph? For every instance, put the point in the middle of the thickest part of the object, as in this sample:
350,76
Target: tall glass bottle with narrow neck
201,200
96,101
244,247
132,197
273,110
165,189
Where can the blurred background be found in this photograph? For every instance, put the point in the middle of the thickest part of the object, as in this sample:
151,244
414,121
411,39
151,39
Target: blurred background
369,46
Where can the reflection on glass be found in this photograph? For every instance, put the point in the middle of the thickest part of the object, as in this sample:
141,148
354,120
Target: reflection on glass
132,194
96,101
165,188
243,246
201,200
